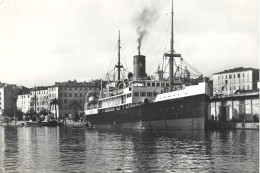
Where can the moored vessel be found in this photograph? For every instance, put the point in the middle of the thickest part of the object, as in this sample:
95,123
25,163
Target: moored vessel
141,102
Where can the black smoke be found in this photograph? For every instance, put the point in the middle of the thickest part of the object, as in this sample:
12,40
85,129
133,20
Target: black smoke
143,21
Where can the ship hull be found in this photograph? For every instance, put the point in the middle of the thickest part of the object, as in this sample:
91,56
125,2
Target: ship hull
181,113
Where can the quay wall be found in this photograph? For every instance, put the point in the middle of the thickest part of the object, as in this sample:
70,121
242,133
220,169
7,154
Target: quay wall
231,125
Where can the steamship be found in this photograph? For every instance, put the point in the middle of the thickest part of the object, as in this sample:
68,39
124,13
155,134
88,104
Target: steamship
140,102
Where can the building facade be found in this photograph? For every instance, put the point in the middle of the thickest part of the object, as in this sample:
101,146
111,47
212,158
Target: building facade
8,97
239,107
229,81
71,97
36,99
24,102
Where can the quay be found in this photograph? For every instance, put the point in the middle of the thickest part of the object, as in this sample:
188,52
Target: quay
231,125
234,111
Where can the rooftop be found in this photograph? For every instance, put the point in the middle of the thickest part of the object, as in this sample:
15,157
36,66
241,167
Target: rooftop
239,93
74,83
238,69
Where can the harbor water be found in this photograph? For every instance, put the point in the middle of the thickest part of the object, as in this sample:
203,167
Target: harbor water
76,149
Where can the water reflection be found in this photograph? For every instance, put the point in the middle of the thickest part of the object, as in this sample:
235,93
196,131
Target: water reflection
43,149
72,147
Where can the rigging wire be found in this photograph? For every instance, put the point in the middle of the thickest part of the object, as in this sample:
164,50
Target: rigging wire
184,42
112,58
193,68
124,56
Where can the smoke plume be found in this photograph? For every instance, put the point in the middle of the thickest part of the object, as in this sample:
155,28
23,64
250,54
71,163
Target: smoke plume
143,21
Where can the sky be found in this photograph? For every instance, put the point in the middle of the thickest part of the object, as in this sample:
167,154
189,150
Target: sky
47,41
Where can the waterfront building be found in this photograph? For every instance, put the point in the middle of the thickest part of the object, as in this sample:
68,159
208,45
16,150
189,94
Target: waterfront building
229,81
71,97
239,107
8,97
24,102
42,100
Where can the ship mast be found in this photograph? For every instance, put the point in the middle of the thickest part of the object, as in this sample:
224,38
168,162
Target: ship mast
35,99
172,52
118,66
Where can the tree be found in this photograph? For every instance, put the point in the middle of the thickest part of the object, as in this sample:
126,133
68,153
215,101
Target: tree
56,102
31,114
44,112
8,112
19,114
76,105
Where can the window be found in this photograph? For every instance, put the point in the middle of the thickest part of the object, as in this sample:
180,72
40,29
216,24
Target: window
234,87
76,94
162,84
128,95
230,88
65,94
234,76
149,94
157,84
226,82
65,101
238,75
226,76
167,84
243,74
136,94
143,94
148,84
70,94
230,76
243,87
248,87
153,84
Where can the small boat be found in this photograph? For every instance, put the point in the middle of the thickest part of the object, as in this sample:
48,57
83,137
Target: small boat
33,124
72,123
49,123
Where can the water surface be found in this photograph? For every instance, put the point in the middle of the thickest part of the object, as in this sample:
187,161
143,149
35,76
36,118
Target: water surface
64,149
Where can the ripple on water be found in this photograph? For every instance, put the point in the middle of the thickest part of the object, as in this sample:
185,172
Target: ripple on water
76,149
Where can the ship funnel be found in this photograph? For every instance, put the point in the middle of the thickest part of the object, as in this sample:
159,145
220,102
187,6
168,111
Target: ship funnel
139,67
